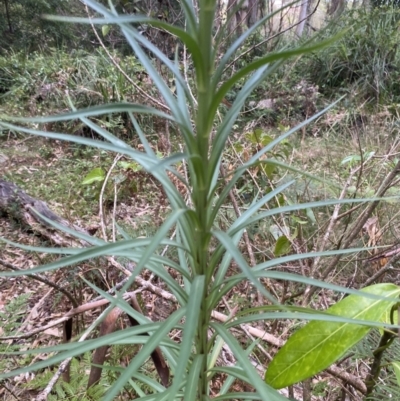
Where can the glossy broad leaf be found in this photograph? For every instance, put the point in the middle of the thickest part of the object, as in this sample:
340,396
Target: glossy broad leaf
319,344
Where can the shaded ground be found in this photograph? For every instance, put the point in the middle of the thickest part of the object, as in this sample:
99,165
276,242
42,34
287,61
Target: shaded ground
53,171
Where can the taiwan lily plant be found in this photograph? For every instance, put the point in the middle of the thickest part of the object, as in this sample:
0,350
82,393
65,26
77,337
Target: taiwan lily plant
197,271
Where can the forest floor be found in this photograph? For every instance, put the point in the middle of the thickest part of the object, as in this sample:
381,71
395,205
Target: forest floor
54,172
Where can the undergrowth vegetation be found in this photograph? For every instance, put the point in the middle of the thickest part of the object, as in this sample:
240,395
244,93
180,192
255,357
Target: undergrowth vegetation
364,63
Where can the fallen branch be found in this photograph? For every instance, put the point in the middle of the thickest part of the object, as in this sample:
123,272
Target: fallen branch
73,312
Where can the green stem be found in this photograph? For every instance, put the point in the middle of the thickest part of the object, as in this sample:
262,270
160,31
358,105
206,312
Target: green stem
204,123
386,339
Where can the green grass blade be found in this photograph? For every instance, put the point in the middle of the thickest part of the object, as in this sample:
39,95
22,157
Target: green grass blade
230,379
185,37
162,273
89,345
160,261
145,379
290,258
118,301
104,133
134,38
183,101
282,137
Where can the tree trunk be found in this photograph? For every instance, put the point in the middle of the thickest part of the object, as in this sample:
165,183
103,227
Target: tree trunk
237,15
302,18
336,7
252,12
8,16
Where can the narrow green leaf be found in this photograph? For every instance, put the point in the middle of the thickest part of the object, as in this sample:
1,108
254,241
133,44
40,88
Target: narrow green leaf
230,246
194,307
281,138
277,275
322,317
287,167
137,388
396,368
79,348
94,111
79,255
122,338
104,133
186,38
153,384
149,162
319,344
158,238
118,301
141,135
157,397
290,258
297,207
265,392
238,43
193,379
230,379
152,342
237,396
243,219
225,128
270,58
133,38
234,371
259,272
71,138
223,266
219,144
